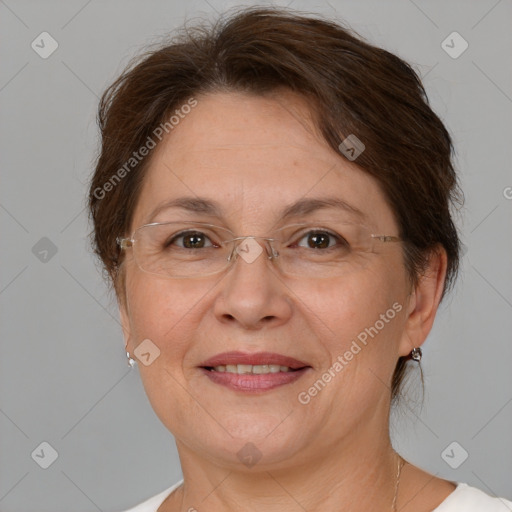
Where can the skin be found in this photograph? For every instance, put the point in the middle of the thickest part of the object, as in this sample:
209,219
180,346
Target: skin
256,155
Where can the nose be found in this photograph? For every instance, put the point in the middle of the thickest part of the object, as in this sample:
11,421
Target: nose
253,294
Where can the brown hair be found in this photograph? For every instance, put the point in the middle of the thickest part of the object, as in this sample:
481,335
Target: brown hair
353,88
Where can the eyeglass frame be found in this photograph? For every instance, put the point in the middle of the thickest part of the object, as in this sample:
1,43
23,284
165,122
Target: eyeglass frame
126,242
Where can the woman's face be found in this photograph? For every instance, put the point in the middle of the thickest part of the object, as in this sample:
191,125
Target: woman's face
255,157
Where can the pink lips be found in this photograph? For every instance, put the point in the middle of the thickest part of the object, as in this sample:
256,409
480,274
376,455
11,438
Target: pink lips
253,359
253,383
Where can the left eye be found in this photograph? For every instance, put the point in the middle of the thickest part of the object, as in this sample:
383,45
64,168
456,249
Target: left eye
321,240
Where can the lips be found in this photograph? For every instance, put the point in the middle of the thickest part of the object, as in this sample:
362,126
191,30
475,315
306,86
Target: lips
253,373
258,358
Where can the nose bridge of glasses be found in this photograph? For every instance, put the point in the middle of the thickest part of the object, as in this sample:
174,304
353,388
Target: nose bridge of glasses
248,250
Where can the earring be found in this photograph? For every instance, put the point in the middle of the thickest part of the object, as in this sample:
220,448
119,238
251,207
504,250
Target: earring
131,362
416,354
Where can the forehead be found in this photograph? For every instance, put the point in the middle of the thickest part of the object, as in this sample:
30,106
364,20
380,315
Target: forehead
253,155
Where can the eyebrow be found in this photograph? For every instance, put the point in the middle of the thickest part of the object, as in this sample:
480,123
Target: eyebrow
301,207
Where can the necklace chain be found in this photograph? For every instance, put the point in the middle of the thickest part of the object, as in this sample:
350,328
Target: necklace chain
401,463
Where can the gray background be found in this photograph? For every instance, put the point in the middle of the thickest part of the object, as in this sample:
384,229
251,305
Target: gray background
63,375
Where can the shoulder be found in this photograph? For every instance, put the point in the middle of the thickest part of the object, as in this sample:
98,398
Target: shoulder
152,504
470,499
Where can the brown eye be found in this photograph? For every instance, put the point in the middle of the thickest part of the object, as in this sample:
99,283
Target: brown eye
321,240
318,240
190,240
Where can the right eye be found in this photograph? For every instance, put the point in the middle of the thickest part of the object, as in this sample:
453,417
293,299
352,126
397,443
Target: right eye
189,240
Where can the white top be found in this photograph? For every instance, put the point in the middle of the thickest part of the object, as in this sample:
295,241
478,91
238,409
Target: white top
463,499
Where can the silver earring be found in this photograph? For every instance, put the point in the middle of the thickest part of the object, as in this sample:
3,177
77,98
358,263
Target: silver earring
416,354
131,362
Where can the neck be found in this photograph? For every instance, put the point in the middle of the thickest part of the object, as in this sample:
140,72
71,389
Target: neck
351,475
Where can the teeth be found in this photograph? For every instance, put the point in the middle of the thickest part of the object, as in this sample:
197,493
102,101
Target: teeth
249,368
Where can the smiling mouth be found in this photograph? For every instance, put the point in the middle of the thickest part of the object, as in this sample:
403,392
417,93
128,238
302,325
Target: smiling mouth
253,379
253,372
248,369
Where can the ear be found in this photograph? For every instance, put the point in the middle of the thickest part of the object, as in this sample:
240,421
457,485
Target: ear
424,301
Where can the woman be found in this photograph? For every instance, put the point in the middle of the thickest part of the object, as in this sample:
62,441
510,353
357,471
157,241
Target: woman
272,204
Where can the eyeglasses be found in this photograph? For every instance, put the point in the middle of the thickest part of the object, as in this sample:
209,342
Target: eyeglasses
190,249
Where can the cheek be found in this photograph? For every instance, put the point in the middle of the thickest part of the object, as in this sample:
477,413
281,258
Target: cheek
358,316
353,299
359,345
160,309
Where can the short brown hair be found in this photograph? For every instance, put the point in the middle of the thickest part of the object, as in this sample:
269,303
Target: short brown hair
353,88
